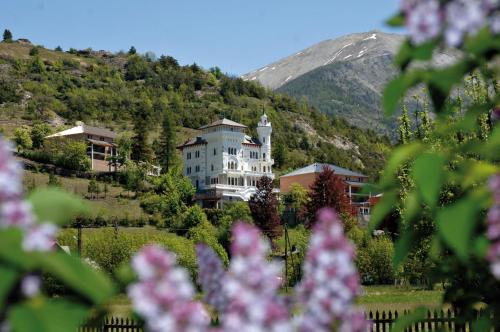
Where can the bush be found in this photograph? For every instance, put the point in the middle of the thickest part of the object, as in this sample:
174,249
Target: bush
374,260
110,249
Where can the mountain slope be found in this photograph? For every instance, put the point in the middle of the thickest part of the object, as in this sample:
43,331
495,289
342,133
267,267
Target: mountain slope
119,90
343,76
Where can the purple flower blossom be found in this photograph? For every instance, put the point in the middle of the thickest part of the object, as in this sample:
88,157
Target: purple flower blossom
10,173
493,231
211,277
40,237
463,17
331,281
30,285
251,286
16,213
423,20
163,295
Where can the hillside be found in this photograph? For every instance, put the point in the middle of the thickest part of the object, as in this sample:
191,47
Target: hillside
114,90
342,77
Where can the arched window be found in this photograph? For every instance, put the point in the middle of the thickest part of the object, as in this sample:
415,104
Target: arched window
264,156
264,169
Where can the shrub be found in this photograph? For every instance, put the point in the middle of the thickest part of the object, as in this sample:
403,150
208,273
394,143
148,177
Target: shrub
374,260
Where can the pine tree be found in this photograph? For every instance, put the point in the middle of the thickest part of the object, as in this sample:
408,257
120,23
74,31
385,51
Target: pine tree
7,36
92,188
141,151
167,141
404,126
328,190
132,50
264,208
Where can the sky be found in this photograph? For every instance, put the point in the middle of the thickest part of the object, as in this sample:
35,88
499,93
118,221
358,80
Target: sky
235,35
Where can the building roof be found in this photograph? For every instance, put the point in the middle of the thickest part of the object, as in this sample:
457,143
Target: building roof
193,141
101,143
85,129
318,167
251,141
223,122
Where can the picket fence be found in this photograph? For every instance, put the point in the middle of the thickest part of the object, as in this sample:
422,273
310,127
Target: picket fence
381,322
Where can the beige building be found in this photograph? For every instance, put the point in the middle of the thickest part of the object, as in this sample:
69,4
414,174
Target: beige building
100,142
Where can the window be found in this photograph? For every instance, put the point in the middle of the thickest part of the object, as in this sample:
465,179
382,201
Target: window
197,168
264,156
212,168
197,154
215,151
263,140
188,155
188,170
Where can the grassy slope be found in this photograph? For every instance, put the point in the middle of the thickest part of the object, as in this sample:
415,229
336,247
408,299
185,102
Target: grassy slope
111,206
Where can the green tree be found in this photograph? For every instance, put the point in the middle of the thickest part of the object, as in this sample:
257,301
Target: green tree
54,181
132,50
141,150
37,66
105,189
58,49
404,126
34,51
38,132
22,138
167,141
297,197
92,188
7,36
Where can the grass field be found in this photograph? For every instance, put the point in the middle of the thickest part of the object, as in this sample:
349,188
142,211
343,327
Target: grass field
111,206
381,298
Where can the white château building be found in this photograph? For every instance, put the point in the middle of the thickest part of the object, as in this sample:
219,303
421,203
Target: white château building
224,163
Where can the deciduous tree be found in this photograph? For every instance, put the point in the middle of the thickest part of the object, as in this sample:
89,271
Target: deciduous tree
328,190
264,208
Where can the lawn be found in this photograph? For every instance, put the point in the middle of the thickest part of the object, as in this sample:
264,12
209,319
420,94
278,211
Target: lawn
398,298
112,206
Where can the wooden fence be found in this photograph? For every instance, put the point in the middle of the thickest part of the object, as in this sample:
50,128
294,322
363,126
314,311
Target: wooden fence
381,322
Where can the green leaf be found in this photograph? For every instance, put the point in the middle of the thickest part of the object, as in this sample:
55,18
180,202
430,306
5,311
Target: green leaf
428,174
10,248
79,276
396,20
406,321
477,171
481,245
402,248
399,156
56,206
455,224
396,89
7,282
408,52
412,207
482,42
382,209
53,315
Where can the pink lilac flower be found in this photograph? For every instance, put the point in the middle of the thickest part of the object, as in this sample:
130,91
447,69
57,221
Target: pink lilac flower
251,286
16,213
423,20
163,294
211,277
331,281
30,285
40,237
10,173
463,17
493,231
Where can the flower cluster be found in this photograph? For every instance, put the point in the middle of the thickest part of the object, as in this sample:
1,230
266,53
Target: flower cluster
251,286
246,296
14,211
428,19
163,294
331,281
211,277
493,232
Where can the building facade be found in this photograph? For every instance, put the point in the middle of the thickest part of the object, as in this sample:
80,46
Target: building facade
100,143
224,163
354,183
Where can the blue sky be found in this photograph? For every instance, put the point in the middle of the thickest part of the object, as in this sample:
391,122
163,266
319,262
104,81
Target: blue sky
236,35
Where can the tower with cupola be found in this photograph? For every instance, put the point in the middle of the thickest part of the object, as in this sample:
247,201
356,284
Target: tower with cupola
264,130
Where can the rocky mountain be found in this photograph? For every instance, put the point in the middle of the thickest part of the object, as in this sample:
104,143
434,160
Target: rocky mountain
343,76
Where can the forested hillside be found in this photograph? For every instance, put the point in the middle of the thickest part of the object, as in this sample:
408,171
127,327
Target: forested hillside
128,91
